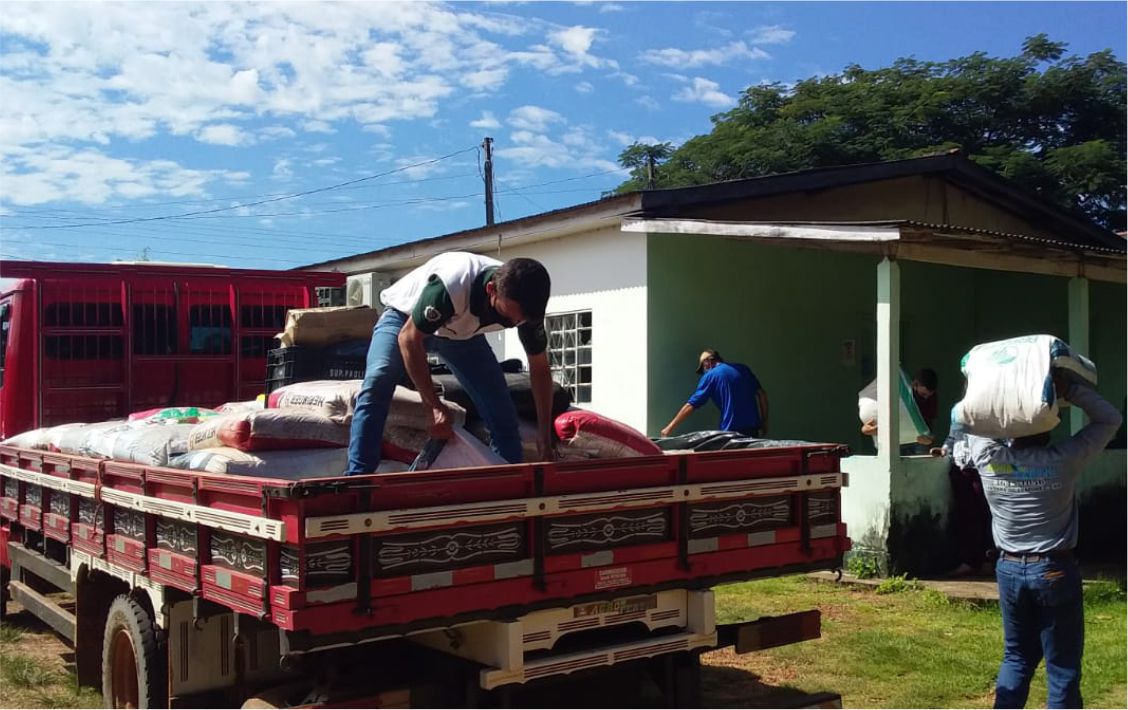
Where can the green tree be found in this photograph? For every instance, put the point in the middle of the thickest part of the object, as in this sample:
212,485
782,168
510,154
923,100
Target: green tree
644,160
1051,122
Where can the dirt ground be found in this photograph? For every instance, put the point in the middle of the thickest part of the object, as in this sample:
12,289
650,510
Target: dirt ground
728,680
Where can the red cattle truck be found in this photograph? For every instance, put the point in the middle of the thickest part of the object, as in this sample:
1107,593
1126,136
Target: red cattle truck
442,587
92,342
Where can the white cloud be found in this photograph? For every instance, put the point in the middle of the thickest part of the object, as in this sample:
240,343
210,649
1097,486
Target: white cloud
704,91
576,147
276,132
606,7
714,22
574,40
55,172
533,118
318,127
688,58
770,34
417,172
282,169
223,134
584,87
78,76
486,79
620,137
486,121
86,72
648,102
628,78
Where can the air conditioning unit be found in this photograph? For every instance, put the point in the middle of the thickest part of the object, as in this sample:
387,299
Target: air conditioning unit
364,289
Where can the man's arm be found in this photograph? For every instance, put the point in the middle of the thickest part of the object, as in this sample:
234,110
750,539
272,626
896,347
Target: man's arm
540,376
680,417
415,360
1104,421
762,403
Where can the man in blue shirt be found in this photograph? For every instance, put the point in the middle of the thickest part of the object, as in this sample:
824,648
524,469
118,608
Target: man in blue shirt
735,391
1029,485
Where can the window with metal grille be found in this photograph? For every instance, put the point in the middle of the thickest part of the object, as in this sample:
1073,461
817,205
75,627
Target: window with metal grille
209,329
569,352
83,347
263,316
154,329
82,315
256,345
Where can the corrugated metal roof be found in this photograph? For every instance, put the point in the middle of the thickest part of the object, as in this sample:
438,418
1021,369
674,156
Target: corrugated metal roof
1082,233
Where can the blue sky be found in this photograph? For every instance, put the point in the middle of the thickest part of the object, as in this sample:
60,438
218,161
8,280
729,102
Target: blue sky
183,131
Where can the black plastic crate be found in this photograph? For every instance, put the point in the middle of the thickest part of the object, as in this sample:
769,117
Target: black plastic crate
285,366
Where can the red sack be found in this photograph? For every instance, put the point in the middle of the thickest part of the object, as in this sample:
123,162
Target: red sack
269,429
602,437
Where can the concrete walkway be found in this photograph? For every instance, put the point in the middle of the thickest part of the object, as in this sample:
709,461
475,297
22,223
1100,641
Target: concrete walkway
976,589
970,589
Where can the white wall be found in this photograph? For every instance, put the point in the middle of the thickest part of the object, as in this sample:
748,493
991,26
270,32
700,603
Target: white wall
604,271
866,503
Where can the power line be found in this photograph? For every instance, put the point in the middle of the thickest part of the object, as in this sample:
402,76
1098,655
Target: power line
164,251
522,195
31,213
256,203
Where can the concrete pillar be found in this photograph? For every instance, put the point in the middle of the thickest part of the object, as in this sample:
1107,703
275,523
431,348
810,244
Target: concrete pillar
888,363
1078,334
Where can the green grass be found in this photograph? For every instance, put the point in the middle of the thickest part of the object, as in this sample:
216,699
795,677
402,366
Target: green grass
914,648
28,682
9,634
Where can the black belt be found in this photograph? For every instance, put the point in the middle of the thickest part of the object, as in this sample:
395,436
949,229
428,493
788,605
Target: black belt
1024,557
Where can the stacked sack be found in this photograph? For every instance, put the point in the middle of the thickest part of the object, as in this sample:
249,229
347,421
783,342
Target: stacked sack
304,432
150,438
1010,385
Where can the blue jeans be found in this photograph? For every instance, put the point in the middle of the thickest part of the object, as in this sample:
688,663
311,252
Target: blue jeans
1043,617
471,361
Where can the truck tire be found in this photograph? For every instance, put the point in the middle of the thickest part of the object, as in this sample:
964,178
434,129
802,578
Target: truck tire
133,663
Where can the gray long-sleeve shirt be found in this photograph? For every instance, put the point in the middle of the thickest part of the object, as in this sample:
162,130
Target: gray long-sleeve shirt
1031,491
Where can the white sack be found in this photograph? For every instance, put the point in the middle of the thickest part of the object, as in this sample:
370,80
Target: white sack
152,445
912,423
36,439
465,451
253,405
1010,389
68,435
330,398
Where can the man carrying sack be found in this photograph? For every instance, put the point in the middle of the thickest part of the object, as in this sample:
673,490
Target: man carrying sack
1030,487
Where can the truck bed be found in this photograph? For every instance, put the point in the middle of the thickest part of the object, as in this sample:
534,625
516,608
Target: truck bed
341,560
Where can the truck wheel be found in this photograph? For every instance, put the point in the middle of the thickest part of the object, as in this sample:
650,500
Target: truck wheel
133,664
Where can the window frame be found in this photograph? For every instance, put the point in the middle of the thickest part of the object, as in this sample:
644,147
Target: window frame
571,333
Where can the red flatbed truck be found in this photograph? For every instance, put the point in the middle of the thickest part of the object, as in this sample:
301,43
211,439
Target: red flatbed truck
425,588
433,587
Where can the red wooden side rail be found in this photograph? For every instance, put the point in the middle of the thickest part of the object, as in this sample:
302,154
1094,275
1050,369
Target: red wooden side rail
348,556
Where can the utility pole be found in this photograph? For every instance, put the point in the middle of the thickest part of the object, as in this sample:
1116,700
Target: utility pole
487,144
649,170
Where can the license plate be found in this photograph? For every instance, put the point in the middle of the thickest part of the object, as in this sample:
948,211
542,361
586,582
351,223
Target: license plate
618,606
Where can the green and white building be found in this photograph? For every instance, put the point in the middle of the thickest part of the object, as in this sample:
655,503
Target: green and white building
820,281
